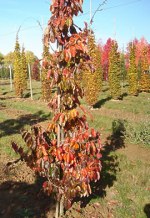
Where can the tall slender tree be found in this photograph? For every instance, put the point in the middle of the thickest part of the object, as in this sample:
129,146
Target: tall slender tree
17,70
23,70
36,70
68,154
92,82
105,58
132,71
145,74
46,84
123,69
114,76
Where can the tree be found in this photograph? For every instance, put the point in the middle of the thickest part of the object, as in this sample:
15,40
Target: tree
68,154
46,88
36,70
145,74
123,69
132,71
30,57
1,58
114,76
17,70
9,58
139,45
92,82
105,58
24,70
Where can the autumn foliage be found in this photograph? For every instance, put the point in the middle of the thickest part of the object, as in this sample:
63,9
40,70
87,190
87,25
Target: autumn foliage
92,81
20,70
145,74
45,81
36,70
132,72
105,57
114,76
68,153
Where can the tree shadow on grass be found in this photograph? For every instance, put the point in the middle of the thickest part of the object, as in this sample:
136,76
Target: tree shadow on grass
124,95
147,210
110,162
101,102
13,126
20,200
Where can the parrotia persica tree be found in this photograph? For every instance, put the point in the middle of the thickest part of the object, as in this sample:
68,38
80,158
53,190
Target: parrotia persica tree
46,87
123,69
92,82
68,153
17,70
20,70
114,76
145,74
36,70
132,71
105,58
24,69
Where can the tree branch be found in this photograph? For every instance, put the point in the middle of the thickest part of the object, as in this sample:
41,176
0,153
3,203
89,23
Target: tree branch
98,9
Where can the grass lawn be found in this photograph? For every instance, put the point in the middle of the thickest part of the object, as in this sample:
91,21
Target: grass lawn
124,188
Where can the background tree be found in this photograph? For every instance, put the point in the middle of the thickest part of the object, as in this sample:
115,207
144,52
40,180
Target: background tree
123,69
4,72
17,70
24,70
145,75
139,70
46,84
132,71
30,57
92,82
36,70
1,58
9,58
140,45
114,76
105,58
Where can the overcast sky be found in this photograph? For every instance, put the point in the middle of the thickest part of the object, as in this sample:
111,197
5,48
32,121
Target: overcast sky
122,20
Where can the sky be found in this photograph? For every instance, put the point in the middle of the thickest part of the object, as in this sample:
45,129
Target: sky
121,20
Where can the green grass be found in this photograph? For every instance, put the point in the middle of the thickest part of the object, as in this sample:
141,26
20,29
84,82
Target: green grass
133,104
129,180
132,187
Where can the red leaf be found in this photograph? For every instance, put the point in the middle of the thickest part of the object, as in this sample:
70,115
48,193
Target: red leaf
99,155
93,133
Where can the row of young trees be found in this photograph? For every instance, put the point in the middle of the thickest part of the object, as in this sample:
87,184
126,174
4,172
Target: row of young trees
130,67
134,64
20,61
7,61
110,64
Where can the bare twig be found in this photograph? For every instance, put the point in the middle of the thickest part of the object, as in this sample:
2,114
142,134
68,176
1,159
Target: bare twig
98,9
6,168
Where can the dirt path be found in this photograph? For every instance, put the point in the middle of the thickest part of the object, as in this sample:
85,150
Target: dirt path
136,152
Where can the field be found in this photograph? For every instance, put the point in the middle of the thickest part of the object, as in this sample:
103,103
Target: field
124,188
